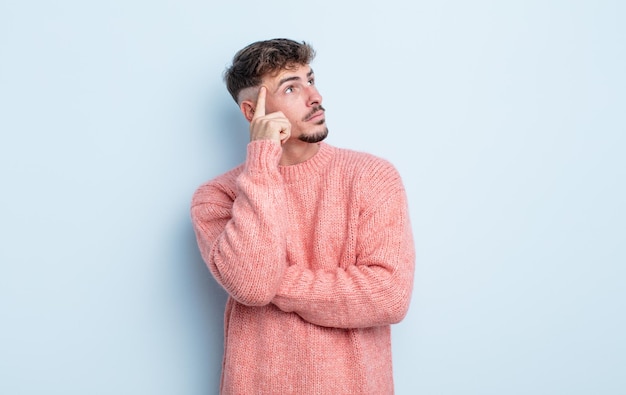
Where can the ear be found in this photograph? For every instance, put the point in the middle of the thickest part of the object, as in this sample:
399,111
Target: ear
247,109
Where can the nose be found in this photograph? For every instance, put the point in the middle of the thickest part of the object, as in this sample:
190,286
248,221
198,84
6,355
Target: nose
315,98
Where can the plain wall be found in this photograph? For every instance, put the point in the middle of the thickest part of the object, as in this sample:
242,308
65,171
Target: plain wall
506,120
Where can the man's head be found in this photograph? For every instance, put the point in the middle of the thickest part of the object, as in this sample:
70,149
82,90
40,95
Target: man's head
282,67
264,58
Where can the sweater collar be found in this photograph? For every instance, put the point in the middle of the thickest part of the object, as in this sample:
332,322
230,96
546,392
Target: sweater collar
309,167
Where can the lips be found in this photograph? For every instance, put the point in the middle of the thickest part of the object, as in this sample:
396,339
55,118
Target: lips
316,113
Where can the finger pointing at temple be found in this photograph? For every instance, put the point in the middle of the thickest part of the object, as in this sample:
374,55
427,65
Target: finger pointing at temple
259,111
273,126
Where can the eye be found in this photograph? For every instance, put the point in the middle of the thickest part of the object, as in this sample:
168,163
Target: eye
311,81
289,89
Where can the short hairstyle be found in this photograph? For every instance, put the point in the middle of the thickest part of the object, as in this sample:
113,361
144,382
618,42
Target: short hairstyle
262,58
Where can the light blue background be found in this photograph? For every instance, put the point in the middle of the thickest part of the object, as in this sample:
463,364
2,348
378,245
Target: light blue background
506,120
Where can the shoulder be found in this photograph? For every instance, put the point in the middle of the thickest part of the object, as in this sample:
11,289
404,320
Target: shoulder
374,179
219,189
366,165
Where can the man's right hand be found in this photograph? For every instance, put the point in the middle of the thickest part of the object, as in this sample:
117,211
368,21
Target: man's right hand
274,126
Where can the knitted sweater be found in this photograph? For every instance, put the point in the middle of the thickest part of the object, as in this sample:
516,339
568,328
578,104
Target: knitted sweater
317,259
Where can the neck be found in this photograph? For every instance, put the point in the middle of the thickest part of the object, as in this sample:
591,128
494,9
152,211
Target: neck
297,152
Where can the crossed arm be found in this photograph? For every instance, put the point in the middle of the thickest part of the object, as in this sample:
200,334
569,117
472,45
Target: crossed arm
243,241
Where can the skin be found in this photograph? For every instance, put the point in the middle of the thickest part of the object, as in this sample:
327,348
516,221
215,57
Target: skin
287,109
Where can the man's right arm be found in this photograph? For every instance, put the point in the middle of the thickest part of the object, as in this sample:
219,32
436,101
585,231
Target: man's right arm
243,240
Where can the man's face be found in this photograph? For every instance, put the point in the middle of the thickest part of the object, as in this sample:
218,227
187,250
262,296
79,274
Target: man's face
294,93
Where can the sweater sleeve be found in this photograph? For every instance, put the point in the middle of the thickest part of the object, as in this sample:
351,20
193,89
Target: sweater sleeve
242,240
376,289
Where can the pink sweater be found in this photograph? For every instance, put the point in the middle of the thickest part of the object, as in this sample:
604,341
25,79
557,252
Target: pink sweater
317,259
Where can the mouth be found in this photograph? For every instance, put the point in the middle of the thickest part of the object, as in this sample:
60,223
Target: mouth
315,114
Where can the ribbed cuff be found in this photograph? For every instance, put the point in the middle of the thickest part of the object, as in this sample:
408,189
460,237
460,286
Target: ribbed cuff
263,156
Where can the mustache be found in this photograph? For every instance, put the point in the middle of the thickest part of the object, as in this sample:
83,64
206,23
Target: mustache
313,112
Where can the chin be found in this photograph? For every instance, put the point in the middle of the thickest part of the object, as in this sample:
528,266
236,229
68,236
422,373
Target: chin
314,137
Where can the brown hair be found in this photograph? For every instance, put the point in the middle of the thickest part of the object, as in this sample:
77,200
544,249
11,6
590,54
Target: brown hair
261,58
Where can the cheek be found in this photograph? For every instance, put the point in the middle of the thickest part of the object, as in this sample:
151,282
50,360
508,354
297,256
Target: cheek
275,106
281,105
288,105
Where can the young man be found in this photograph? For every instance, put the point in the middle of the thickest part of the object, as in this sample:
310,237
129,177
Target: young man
312,243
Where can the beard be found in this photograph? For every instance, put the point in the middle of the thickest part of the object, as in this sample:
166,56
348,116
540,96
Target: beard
315,137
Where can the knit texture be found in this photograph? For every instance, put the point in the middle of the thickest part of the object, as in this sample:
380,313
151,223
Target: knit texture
318,260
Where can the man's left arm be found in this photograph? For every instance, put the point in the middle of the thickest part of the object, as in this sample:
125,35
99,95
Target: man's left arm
375,290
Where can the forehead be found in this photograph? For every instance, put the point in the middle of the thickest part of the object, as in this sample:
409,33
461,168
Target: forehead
297,71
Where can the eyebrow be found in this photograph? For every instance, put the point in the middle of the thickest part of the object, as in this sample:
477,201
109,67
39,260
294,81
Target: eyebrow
293,78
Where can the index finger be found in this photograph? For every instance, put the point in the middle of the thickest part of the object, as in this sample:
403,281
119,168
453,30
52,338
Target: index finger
259,111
